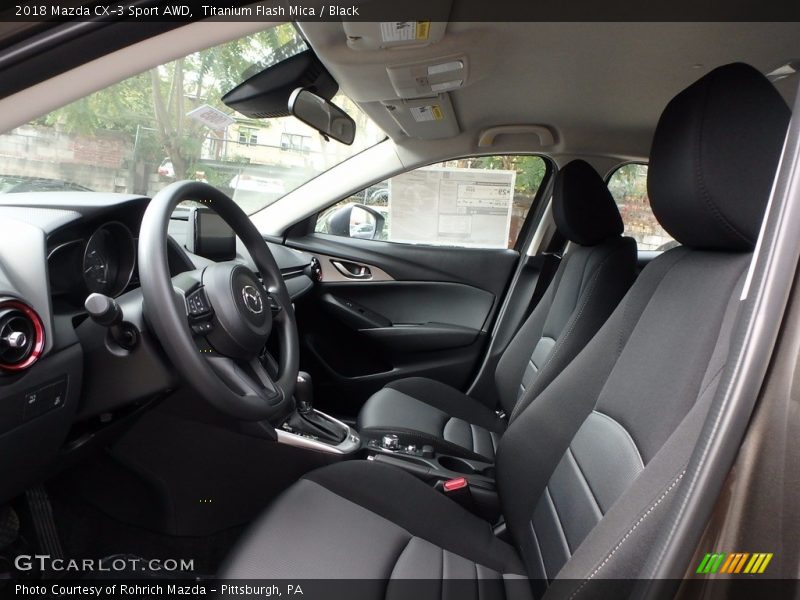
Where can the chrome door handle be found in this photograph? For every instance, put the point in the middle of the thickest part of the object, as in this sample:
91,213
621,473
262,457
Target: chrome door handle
352,270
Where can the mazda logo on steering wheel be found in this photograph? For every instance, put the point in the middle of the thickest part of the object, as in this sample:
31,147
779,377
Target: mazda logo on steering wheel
252,299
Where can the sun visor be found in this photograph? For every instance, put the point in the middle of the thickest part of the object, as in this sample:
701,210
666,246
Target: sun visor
425,118
265,95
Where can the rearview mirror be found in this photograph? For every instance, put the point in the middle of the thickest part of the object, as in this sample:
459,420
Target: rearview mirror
324,116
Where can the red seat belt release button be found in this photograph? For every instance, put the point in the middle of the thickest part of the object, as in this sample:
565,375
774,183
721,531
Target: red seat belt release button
451,485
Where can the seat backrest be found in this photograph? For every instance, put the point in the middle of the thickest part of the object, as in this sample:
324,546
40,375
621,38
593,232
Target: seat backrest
587,471
593,276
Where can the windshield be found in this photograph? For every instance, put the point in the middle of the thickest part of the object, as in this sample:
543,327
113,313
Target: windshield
168,124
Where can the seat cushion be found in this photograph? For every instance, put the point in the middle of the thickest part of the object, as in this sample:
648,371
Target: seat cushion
376,523
424,411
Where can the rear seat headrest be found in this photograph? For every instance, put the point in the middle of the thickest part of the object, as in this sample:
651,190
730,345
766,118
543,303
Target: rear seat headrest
714,156
583,209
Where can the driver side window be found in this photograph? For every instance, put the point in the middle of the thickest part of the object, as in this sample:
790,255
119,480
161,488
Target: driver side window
477,202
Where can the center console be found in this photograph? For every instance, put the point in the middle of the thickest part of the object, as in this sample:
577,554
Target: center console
471,482
474,479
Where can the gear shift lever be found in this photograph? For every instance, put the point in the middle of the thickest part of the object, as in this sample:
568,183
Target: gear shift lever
309,421
304,393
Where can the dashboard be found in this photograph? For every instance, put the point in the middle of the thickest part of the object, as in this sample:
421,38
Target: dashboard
98,255
56,367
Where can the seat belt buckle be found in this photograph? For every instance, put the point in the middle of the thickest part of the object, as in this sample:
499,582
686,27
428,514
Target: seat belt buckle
452,486
457,489
501,414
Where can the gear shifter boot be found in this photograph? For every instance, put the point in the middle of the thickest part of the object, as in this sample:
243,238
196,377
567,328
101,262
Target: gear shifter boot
307,420
316,424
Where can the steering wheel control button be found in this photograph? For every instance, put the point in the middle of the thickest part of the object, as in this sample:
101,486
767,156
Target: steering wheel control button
198,303
390,442
202,328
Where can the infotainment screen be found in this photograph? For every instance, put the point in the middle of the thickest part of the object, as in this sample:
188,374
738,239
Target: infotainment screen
210,236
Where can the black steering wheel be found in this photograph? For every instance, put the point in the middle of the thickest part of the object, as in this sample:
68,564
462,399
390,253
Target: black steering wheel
214,322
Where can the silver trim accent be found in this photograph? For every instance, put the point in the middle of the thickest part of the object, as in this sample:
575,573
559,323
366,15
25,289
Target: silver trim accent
16,339
364,272
63,246
351,442
331,274
252,300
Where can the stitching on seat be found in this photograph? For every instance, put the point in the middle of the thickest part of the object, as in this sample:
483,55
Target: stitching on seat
629,533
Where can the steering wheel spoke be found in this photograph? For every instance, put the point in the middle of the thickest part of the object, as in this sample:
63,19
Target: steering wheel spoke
246,377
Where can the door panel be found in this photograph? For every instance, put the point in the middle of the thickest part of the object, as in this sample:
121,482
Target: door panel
406,302
427,315
486,269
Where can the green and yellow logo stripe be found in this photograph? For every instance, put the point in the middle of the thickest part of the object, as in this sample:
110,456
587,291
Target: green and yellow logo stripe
734,563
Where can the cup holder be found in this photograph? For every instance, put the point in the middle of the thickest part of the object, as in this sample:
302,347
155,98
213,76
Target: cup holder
451,463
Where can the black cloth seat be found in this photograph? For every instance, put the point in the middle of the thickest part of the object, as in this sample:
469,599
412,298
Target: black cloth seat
587,473
396,525
591,279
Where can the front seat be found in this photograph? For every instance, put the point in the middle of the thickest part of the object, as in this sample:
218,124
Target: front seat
586,473
593,276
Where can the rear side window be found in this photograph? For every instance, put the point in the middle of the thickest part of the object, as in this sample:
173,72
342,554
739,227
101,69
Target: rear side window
478,202
628,186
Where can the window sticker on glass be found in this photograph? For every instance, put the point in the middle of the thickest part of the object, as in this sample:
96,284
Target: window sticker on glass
452,206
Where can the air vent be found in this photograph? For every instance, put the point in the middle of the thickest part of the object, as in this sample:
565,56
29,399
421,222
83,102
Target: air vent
316,269
21,335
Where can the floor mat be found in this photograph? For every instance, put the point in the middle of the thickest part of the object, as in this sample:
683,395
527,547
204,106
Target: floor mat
87,532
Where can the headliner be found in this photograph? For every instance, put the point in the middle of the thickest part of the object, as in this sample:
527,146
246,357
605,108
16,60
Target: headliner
600,86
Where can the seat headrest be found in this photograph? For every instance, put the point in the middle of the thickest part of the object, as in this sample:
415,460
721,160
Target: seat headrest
714,156
583,209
